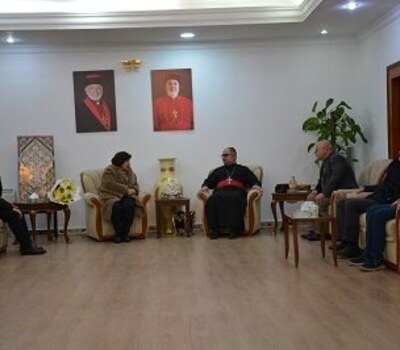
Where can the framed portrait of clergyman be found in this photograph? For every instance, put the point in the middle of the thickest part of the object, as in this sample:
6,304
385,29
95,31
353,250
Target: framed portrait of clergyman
95,101
172,99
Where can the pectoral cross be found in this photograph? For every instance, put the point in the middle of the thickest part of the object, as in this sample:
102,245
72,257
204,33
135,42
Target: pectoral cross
175,115
229,180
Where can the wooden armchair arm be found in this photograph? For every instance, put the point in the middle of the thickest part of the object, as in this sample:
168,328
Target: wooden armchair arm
253,195
92,200
144,198
348,190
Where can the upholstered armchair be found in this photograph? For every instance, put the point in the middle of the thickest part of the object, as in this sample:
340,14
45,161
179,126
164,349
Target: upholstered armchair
374,174
96,226
3,236
252,218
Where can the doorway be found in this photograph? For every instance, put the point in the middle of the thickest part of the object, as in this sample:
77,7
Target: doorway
393,91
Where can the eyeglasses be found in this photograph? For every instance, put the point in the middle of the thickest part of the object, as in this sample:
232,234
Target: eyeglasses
226,155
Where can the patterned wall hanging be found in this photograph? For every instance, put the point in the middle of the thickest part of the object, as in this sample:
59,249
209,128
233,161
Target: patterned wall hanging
36,168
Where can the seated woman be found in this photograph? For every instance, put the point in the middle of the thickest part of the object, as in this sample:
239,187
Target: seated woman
10,214
118,193
377,216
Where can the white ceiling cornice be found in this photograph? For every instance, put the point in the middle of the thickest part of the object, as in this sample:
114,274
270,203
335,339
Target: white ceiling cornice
166,18
380,23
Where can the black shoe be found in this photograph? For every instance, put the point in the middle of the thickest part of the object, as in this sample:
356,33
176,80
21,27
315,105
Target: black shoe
234,235
117,239
309,235
361,260
339,247
126,239
213,235
371,266
33,251
349,252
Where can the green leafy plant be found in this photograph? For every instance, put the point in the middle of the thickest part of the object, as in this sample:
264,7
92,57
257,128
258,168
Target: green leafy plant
334,124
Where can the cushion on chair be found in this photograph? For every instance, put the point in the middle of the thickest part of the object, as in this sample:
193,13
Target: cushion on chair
372,174
91,180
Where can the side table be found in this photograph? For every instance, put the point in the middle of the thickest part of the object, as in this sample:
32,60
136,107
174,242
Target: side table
314,220
281,198
172,202
50,209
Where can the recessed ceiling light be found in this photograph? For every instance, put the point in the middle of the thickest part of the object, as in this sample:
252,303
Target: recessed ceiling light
10,39
324,32
351,5
188,35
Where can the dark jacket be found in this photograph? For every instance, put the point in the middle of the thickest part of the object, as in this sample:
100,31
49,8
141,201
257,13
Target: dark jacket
389,190
4,205
335,173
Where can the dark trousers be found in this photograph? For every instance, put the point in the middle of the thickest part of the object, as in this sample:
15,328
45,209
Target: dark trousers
18,227
377,216
348,217
226,208
123,214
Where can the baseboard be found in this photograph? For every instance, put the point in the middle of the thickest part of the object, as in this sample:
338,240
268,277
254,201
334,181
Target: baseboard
152,228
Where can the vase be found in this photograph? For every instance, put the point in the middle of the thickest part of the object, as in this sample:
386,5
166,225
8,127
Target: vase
168,187
293,184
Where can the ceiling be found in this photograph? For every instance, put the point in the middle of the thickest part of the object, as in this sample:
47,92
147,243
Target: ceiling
82,6
329,14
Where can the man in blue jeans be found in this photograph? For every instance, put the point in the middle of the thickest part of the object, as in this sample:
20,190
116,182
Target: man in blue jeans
377,216
349,210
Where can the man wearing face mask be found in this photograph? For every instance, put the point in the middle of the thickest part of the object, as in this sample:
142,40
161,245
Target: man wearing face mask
94,113
172,111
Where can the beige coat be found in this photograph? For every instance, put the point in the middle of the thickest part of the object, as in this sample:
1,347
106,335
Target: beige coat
115,184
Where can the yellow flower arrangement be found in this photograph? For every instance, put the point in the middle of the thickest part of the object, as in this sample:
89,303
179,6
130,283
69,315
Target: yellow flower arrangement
64,191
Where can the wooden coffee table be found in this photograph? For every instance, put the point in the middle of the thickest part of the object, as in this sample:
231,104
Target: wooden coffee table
173,202
281,198
313,220
50,209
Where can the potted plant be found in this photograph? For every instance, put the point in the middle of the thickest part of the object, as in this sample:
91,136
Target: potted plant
334,124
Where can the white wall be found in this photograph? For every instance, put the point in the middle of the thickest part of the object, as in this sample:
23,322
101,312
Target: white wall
253,96
376,50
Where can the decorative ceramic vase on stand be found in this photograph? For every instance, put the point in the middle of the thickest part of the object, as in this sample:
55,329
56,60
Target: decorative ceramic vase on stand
168,186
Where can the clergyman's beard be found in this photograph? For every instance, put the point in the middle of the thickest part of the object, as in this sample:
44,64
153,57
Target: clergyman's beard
173,94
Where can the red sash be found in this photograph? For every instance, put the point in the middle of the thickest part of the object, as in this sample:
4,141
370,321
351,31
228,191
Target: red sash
230,183
100,112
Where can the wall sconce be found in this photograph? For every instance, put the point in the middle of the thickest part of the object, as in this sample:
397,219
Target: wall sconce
133,64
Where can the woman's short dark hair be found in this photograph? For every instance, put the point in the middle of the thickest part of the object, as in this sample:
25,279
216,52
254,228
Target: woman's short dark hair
120,158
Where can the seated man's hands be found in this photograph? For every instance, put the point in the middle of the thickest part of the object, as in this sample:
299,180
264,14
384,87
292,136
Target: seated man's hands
18,211
396,204
204,189
319,198
257,188
311,196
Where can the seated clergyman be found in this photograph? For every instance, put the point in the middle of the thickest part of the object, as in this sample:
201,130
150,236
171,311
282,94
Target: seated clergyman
226,207
10,214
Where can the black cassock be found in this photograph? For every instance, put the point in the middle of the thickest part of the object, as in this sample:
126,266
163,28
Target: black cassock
227,205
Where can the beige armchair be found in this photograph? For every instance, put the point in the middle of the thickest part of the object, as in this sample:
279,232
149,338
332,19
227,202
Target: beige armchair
3,236
96,226
252,219
374,174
